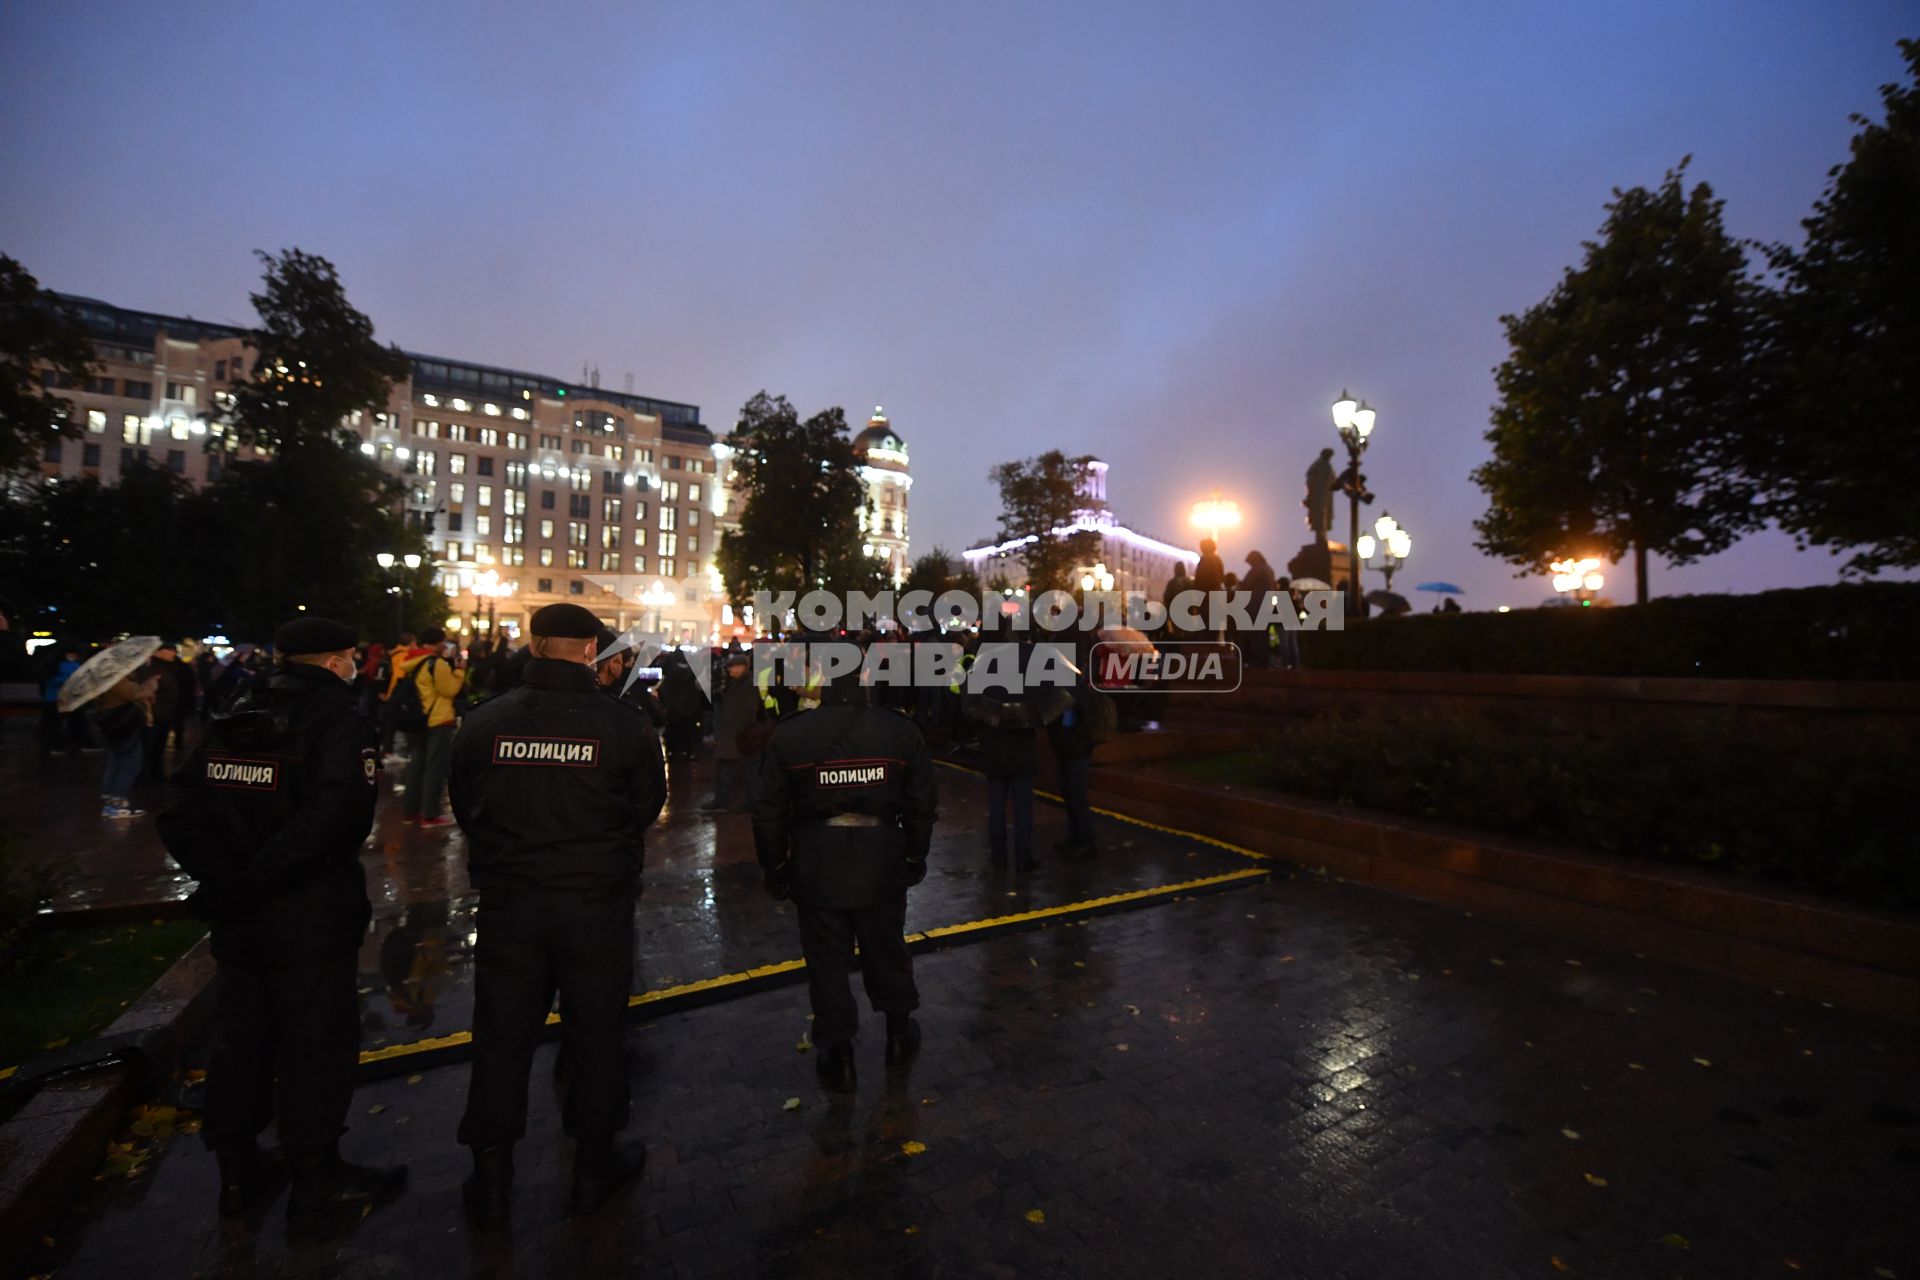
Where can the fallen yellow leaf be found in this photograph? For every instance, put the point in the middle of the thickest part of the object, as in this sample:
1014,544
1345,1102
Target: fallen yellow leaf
912,1148
1701,1062
1558,1265
376,1108
413,1079
791,1104
1674,1240
1595,1179
913,1230
1036,1217
1570,1135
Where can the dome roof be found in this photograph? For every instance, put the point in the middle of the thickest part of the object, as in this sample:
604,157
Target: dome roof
879,436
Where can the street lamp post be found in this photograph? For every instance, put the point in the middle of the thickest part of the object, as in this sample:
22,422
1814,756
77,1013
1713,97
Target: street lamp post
1394,544
397,590
658,597
487,585
1354,421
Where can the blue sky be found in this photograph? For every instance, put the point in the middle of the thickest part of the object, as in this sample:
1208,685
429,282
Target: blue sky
1166,234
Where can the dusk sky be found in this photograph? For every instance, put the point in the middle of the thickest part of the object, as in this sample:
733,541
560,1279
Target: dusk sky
1168,234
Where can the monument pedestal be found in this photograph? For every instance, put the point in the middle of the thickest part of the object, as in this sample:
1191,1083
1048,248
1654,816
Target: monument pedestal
1331,562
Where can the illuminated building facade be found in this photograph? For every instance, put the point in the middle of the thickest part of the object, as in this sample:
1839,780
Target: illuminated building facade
1124,561
534,489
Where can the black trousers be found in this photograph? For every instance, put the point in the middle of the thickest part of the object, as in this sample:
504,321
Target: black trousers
286,1046
532,944
827,938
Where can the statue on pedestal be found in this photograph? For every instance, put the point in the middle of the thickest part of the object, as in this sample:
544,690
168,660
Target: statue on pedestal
1319,499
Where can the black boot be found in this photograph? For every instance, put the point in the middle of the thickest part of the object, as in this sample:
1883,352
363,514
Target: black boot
835,1067
322,1182
488,1190
600,1168
245,1176
903,1038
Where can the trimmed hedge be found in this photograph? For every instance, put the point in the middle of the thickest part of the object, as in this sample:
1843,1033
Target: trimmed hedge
1851,631
1827,814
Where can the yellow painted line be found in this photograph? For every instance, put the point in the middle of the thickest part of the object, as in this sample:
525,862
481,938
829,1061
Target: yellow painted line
1115,814
7,1071
389,1052
1089,904
714,984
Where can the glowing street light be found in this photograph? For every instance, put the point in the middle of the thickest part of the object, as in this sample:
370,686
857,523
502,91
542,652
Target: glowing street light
1353,419
1215,514
1394,544
1098,576
1579,578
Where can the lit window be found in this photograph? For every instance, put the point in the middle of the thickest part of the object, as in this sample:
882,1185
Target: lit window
97,421
483,495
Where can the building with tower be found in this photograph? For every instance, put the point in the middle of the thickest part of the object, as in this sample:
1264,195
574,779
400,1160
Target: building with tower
1125,560
883,520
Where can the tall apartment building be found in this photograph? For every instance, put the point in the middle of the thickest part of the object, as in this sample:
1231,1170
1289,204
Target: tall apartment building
536,489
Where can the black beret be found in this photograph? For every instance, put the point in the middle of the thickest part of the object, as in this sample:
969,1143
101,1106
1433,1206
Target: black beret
564,622
314,635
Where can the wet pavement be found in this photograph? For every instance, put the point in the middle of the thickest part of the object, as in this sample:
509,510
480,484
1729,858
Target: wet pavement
1298,1078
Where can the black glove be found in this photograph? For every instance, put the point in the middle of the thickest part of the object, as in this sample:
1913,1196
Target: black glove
220,898
776,883
916,870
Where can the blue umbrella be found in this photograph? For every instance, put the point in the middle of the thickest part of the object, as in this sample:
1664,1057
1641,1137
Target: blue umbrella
1444,588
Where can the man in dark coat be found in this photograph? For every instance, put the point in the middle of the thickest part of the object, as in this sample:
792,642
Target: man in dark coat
273,808
842,823
554,784
1006,724
1258,584
734,712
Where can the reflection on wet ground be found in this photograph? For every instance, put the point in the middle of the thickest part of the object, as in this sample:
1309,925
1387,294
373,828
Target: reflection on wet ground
702,912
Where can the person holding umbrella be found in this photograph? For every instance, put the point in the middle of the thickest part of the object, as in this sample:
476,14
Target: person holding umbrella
122,708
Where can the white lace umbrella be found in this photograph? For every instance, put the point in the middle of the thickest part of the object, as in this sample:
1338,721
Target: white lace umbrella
105,669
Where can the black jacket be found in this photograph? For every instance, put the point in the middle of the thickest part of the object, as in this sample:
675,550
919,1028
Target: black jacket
271,811
1007,723
845,758
554,784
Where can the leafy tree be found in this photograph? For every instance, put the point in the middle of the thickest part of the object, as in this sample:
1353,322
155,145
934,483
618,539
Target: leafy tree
41,342
1840,453
92,560
300,525
934,572
800,520
1623,404
1039,496
315,360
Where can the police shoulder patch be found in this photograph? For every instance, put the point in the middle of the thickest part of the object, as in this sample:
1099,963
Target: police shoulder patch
370,764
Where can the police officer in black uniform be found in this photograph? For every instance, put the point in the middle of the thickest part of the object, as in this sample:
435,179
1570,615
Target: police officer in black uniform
842,823
553,784
271,813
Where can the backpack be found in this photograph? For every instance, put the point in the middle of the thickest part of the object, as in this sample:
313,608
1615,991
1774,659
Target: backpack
408,711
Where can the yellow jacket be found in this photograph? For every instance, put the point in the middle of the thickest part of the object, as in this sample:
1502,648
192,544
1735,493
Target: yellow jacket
439,684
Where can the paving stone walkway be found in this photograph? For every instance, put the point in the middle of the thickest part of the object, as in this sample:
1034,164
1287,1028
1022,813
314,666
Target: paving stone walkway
1300,1078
